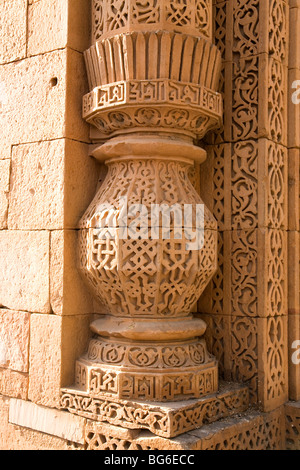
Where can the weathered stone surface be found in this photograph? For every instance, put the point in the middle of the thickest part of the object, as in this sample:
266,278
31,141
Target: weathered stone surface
36,88
31,97
14,437
56,24
249,431
68,293
79,24
55,343
49,421
76,86
75,336
4,188
24,270
45,359
47,26
13,384
43,193
14,340
36,198
12,30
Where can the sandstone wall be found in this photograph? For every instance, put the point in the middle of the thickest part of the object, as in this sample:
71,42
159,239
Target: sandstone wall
46,183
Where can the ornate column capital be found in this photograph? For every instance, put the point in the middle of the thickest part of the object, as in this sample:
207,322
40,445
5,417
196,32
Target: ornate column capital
153,67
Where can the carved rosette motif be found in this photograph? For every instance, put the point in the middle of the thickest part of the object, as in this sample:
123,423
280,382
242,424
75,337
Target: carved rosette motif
153,73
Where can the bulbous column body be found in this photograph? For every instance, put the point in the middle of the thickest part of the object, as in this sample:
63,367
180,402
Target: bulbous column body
148,245
148,250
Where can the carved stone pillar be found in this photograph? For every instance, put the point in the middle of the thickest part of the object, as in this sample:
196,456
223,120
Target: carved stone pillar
148,245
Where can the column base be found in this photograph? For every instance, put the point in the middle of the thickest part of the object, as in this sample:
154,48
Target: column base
166,420
150,371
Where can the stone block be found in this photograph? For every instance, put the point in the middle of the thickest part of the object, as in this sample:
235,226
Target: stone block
45,359
55,25
14,340
250,431
24,270
256,272
4,188
243,353
36,198
107,437
12,30
259,358
218,340
13,384
14,437
266,115
68,293
293,273
42,99
47,26
75,338
49,421
52,183
55,343
34,105
79,24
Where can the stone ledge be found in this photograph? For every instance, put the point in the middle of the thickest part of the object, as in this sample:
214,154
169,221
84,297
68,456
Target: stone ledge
47,420
249,431
162,419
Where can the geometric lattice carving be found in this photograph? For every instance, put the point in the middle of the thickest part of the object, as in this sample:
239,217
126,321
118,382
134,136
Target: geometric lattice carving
120,16
251,432
169,291
292,420
261,433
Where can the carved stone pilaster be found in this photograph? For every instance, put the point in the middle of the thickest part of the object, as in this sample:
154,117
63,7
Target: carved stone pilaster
148,245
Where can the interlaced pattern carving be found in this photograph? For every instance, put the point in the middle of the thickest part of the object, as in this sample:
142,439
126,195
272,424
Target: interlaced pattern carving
257,434
251,191
113,15
146,290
